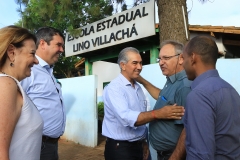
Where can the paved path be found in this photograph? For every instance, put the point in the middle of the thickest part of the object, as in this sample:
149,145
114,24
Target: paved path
69,150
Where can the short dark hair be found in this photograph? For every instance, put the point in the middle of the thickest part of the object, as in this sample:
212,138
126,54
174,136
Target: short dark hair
204,46
47,33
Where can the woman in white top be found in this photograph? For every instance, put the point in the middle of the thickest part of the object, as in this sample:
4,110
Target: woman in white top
20,122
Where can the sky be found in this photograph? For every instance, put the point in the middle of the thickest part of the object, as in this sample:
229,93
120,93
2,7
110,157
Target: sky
212,12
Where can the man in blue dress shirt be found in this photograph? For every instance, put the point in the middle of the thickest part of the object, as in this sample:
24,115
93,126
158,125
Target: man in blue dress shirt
45,92
212,118
125,111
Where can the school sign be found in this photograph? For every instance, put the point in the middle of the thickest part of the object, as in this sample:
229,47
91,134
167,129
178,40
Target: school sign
136,23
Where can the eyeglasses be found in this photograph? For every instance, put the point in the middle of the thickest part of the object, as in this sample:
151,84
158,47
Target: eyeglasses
166,58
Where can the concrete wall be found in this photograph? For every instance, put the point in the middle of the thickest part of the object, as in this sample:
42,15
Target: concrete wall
106,72
80,103
229,71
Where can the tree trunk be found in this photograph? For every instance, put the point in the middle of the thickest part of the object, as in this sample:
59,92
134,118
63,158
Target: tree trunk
171,21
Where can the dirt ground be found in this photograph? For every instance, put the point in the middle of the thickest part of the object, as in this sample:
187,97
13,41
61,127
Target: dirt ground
69,150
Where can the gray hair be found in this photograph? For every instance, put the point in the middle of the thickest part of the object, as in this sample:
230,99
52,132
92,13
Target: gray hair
122,57
177,46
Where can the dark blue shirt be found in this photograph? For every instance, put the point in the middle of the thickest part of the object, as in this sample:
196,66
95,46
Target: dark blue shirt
212,119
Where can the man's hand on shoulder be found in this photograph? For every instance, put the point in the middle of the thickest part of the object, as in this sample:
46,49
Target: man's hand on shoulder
154,91
169,112
140,79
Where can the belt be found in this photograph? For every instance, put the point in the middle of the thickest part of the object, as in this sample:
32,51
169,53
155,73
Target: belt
49,139
124,141
163,153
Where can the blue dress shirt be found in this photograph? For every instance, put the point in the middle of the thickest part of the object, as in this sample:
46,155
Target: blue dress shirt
212,119
46,94
122,105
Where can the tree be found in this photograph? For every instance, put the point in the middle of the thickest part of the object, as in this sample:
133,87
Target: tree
21,3
173,19
60,70
65,15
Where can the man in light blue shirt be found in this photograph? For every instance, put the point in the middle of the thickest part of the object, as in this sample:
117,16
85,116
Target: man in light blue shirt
45,92
125,111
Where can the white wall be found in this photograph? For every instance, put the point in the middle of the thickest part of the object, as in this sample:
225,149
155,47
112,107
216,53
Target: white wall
106,72
79,95
229,71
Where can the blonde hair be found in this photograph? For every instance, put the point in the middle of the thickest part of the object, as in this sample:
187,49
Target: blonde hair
12,35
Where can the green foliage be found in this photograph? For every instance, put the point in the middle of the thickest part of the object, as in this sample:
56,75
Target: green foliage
122,4
19,23
100,108
65,67
65,15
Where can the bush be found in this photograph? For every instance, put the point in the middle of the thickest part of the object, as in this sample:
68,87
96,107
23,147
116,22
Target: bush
100,108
